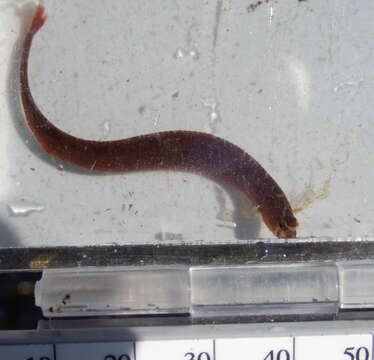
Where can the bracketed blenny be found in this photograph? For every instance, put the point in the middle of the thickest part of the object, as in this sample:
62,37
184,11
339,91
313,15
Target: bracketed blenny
172,150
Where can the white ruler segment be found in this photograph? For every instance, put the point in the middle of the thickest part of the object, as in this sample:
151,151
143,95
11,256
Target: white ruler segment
329,347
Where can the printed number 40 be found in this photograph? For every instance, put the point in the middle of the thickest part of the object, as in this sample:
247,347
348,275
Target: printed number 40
362,353
279,355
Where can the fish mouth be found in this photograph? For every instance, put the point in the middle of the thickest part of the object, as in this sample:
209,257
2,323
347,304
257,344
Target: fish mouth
280,228
288,233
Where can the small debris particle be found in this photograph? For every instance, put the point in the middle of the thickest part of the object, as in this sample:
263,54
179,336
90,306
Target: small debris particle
169,236
32,169
252,7
175,95
42,261
66,299
259,91
176,237
357,220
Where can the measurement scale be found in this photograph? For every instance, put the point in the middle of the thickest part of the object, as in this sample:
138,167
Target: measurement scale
345,340
78,302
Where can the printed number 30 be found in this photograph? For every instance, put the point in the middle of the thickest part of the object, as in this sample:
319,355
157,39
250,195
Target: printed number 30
200,356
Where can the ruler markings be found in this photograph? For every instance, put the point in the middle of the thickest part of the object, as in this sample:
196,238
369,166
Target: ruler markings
95,351
264,348
293,348
340,347
327,347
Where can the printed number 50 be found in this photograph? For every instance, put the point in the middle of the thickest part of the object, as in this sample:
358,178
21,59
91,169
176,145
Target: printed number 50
362,353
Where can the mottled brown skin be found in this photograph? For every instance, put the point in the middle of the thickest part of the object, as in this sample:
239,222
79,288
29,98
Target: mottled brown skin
173,150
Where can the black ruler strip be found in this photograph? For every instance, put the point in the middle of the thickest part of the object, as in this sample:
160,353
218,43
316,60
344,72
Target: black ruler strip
191,254
293,348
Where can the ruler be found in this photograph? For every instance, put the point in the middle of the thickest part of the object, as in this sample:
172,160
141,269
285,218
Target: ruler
334,340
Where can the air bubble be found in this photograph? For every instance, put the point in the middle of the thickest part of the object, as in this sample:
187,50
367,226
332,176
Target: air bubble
182,53
155,121
24,208
106,128
194,54
213,116
179,54
271,14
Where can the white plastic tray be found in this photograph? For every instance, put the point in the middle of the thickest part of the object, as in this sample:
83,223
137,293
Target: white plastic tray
290,81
